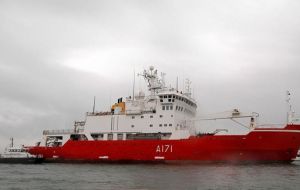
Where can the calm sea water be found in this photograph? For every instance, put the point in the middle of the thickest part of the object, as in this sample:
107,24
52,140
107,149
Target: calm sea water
159,176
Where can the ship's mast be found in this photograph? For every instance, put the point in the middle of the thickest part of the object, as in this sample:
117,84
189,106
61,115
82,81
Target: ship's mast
94,104
154,84
11,142
289,113
177,83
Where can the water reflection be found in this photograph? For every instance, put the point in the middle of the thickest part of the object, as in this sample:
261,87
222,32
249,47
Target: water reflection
147,176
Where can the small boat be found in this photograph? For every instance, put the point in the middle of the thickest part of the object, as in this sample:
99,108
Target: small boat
13,154
297,157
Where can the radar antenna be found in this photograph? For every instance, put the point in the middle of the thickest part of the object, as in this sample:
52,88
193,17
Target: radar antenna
154,83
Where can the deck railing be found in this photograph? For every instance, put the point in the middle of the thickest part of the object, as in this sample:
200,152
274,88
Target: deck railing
61,131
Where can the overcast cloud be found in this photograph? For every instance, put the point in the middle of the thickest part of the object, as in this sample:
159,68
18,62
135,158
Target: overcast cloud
56,55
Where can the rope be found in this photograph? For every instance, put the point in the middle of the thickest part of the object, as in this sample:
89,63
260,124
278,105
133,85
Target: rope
241,124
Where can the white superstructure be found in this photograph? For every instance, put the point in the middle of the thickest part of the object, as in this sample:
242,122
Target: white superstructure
164,113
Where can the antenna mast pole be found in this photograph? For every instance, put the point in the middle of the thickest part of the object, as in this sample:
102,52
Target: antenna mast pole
177,84
94,104
289,106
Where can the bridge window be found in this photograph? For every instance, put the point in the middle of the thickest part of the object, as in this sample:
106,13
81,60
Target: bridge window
78,137
97,136
120,136
110,136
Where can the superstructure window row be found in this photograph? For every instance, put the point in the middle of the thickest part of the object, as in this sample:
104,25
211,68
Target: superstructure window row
179,108
167,107
131,136
166,125
142,117
171,98
151,125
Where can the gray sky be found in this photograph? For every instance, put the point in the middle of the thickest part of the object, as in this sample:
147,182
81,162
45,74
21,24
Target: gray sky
56,55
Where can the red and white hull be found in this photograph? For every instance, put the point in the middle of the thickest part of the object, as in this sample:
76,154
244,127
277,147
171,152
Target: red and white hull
267,144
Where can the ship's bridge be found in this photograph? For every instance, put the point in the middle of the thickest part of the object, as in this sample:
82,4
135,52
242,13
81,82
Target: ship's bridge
178,101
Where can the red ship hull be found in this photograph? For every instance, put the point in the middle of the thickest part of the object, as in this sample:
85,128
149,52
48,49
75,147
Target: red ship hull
266,145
